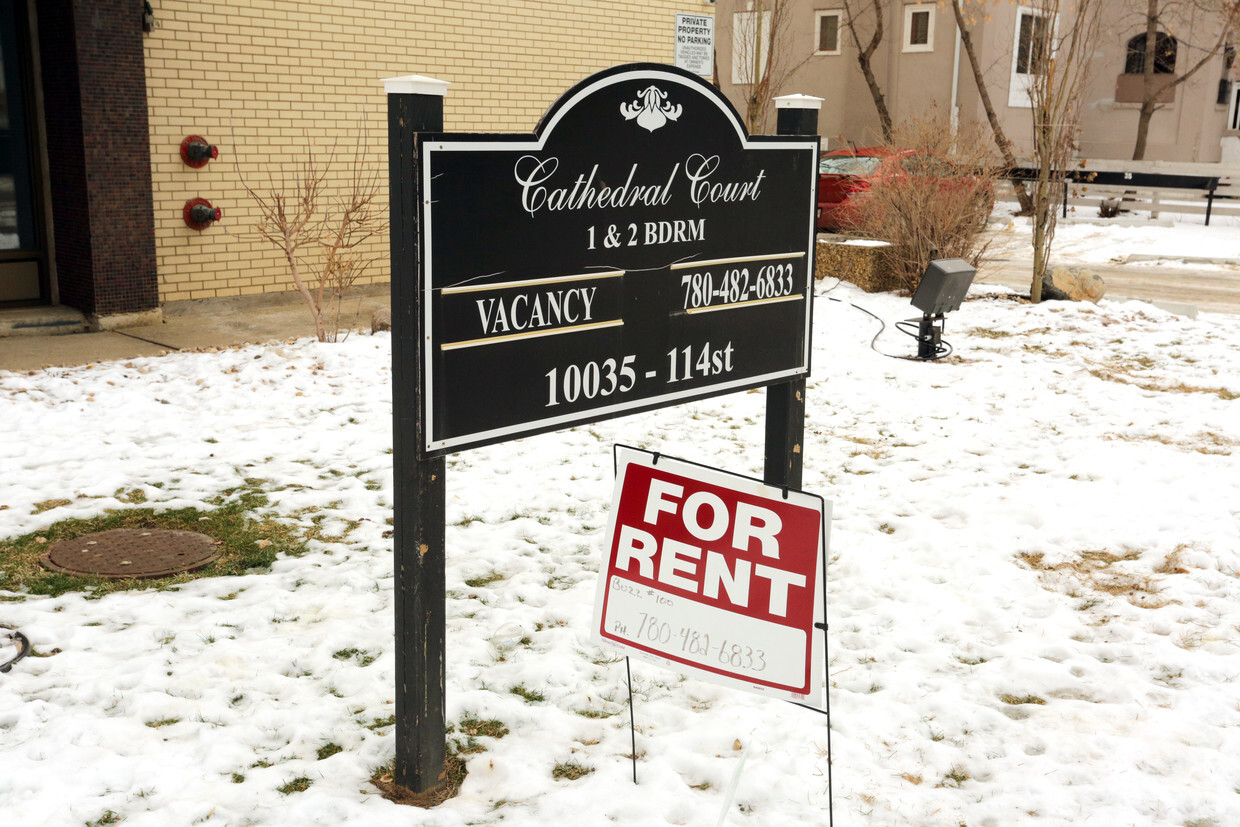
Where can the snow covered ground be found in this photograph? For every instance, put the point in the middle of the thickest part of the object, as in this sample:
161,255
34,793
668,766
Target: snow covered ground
1082,239
1034,592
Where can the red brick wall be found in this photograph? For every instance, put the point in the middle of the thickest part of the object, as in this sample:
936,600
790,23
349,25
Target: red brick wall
99,154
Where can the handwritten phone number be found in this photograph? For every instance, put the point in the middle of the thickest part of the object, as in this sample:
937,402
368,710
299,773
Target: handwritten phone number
698,644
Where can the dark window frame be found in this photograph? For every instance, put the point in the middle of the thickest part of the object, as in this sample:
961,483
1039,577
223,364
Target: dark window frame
1166,50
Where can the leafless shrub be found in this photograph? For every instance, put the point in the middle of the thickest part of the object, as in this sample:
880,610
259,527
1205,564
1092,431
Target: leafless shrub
1110,208
936,202
322,224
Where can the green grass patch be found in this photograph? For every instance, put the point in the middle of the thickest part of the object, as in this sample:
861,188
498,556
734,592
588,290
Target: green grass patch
472,728
530,695
488,728
363,657
163,722
485,580
956,777
297,785
328,750
247,540
570,771
1022,699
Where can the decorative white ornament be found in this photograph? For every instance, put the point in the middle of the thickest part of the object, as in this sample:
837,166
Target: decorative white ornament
651,109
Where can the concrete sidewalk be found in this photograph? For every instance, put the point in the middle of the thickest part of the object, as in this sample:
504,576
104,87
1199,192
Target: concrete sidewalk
1171,287
1177,284
186,326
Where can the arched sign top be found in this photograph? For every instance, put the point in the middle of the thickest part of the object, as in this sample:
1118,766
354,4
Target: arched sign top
657,104
639,249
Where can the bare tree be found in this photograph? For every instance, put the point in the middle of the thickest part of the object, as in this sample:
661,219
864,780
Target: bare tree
323,230
764,56
1055,45
865,54
996,127
1170,14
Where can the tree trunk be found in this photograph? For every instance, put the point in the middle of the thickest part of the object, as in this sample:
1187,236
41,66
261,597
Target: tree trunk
1001,140
1143,128
1148,92
863,60
880,103
290,255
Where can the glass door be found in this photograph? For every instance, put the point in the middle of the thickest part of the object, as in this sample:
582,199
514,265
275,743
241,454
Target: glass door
21,247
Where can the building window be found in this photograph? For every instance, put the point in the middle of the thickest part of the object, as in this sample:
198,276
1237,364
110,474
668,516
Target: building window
1032,45
1030,42
828,29
1164,55
751,43
918,28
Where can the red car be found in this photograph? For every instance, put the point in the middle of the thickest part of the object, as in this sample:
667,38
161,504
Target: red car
843,174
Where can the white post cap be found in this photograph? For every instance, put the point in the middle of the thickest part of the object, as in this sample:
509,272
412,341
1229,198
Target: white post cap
798,102
415,85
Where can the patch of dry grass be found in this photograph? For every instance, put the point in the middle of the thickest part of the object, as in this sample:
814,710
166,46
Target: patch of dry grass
1203,442
1123,372
1090,571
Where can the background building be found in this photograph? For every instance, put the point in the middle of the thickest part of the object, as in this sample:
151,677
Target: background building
920,63
97,97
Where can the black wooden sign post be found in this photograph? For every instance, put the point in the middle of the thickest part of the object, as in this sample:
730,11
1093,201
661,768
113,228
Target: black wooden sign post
640,249
415,106
785,402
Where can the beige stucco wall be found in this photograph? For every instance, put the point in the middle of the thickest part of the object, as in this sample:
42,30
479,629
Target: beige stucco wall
1188,129
271,82
847,112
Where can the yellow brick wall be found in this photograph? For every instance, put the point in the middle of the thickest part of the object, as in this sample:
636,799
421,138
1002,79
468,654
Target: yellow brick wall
271,82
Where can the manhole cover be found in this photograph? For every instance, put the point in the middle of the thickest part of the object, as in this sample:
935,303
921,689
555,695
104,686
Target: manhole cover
132,552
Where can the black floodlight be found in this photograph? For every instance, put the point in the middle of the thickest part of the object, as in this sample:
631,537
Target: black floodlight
940,291
943,286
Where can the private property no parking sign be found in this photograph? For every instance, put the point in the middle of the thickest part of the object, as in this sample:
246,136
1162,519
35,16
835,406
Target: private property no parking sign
715,574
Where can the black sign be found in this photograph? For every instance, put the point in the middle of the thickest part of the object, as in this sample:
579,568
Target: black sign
640,249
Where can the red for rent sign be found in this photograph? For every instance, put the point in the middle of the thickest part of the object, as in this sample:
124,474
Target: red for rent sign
715,574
